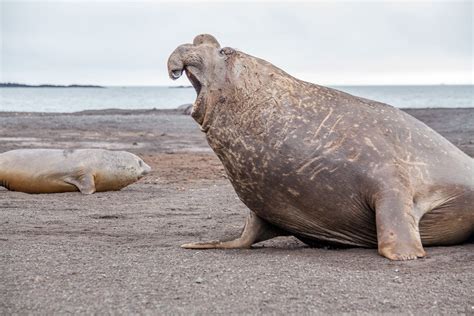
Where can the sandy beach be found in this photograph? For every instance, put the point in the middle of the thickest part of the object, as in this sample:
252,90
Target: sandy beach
118,252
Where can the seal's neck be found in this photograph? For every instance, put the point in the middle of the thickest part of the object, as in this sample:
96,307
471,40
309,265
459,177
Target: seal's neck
243,107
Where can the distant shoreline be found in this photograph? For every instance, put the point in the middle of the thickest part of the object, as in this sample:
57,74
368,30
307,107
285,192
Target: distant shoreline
180,87
21,85
182,110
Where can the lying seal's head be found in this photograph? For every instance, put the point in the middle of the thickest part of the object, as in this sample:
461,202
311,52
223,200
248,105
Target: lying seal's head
117,169
126,165
135,165
204,63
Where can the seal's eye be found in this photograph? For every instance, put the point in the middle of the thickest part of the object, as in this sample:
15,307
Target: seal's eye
226,51
140,163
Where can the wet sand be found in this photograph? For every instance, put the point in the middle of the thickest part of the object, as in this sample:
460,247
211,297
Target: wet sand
118,252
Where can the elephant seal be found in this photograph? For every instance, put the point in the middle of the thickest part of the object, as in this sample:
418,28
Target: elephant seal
55,170
323,165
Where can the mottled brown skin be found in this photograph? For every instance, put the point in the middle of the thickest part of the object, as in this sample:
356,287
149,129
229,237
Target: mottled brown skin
323,165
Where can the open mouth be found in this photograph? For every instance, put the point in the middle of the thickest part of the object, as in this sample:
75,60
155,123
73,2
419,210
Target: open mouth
198,106
194,81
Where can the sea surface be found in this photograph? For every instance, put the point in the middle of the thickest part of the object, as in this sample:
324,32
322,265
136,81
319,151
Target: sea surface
79,99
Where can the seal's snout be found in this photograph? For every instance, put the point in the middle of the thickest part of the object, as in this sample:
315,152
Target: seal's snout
178,60
146,169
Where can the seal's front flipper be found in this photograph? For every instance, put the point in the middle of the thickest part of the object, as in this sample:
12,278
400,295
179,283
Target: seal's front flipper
255,230
398,234
84,182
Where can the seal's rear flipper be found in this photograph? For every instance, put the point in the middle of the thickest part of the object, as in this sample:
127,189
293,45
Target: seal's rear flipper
255,230
84,182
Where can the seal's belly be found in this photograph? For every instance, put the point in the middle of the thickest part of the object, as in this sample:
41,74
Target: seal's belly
313,217
351,228
344,220
27,184
324,208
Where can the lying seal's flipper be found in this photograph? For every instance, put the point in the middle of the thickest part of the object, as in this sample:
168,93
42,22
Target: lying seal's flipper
84,182
255,230
398,234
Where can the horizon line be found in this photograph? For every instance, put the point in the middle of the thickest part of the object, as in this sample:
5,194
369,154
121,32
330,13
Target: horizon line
190,86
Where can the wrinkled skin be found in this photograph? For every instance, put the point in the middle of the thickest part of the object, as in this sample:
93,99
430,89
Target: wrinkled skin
323,165
57,170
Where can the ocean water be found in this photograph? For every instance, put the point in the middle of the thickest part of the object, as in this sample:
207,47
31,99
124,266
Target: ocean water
79,99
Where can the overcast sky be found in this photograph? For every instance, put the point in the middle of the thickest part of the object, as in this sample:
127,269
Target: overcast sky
326,42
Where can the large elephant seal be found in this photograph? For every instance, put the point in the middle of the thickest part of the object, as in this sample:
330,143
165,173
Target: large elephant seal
54,170
323,165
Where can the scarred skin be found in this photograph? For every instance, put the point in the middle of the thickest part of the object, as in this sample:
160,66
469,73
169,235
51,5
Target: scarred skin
57,170
323,165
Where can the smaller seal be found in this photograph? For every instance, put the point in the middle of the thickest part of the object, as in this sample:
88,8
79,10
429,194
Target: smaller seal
56,170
